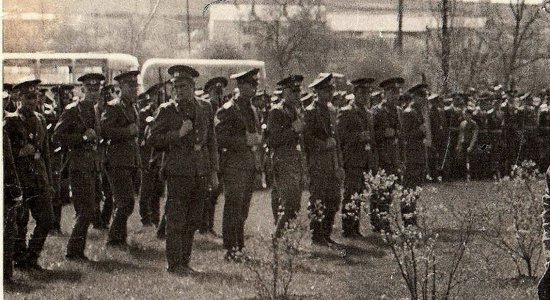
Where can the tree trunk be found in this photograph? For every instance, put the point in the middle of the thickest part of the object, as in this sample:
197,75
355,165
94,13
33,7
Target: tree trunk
445,45
399,38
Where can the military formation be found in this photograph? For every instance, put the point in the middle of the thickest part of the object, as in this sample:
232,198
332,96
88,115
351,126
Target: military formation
189,145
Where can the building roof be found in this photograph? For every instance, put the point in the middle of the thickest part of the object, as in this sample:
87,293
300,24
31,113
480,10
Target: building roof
242,12
365,22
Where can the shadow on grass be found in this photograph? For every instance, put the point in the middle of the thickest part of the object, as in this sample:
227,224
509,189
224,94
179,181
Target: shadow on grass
214,276
146,253
206,245
49,276
21,287
110,265
352,250
375,239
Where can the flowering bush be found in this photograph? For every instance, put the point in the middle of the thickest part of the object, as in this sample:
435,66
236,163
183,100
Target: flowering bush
427,270
513,224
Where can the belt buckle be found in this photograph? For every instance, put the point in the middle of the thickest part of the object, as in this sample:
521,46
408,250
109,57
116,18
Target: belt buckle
299,147
37,155
197,147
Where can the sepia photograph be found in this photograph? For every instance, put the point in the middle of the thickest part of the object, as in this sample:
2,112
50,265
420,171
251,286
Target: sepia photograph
276,149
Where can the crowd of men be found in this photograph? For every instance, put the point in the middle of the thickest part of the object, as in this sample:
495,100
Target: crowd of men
104,150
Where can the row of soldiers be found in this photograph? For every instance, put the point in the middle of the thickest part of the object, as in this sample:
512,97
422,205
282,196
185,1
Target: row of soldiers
112,145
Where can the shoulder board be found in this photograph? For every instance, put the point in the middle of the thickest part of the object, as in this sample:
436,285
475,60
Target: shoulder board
521,108
146,108
544,107
331,107
311,106
346,108
228,104
114,102
408,109
490,111
48,106
149,119
504,104
10,115
71,105
279,105
167,104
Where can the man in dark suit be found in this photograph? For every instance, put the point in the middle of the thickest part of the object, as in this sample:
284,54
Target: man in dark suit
325,162
285,124
119,126
77,132
27,132
239,138
184,127
356,132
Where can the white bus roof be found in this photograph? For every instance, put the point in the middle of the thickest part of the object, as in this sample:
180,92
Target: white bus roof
115,60
203,62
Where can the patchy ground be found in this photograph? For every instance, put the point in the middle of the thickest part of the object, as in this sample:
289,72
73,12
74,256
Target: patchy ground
366,272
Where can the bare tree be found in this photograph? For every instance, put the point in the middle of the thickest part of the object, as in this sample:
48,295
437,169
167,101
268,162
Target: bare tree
516,39
287,31
399,38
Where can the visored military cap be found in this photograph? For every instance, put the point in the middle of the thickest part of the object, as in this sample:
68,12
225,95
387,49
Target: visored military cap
306,97
216,81
323,80
362,82
291,81
130,76
182,72
27,86
390,83
418,90
376,94
7,87
434,98
92,78
246,76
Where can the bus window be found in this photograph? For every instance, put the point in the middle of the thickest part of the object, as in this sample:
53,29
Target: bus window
56,71
15,70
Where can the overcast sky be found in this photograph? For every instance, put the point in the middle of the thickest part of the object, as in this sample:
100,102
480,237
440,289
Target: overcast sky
508,1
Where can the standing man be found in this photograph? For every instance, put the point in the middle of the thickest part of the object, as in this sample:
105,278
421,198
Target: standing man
152,186
325,162
119,125
77,131
239,137
285,124
356,132
184,128
26,129
215,88
437,149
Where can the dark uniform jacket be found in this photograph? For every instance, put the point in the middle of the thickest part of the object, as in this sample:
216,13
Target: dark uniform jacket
322,161
438,127
12,188
151,157
21,129
122,148
232,123
279,125
193,154
352,120
69,131
413,136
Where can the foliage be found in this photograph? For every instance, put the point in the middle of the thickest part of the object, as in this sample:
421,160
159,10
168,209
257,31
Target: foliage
274,274
428,271
513,224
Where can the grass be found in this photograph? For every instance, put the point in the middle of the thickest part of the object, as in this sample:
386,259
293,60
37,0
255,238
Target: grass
366,272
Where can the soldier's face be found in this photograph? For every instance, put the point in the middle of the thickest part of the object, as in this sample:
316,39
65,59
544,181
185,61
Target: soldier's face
129,89
184,89
247,89
29,101
362,96
292,94
92,91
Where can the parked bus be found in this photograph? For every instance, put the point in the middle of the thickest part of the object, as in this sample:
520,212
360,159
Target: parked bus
156,69
64,68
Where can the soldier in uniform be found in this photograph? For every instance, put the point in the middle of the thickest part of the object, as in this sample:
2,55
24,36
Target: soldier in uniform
184,128
467,141
325,162
26,129
239,138
494,126
285,125
437,149
119,125
386,125
152,186
77,131
215,89
9,104
417,138
356,132
12,200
